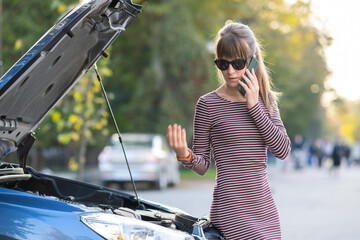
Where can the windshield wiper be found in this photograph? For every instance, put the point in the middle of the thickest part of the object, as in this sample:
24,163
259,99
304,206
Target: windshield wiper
140,206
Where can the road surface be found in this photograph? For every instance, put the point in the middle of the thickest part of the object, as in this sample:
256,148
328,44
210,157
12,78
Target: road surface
312,203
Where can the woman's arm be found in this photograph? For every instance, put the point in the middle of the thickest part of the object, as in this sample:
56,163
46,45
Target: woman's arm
272,130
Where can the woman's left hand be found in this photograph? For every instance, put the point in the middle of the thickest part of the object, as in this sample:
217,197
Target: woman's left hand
252,88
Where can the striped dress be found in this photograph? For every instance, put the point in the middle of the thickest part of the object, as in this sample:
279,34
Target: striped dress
242,205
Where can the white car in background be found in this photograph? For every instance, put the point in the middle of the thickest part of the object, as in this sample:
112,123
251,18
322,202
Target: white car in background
150,159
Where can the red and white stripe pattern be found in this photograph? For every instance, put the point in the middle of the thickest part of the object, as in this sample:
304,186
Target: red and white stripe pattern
242,206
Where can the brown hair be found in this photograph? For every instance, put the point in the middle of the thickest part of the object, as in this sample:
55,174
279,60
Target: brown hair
236,40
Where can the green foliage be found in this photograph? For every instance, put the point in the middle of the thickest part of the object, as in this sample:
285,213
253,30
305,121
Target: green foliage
80,119
343,118
24,22
171,71
294,53
161,64
178,73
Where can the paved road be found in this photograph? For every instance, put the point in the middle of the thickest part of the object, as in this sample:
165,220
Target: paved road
316,205
312,203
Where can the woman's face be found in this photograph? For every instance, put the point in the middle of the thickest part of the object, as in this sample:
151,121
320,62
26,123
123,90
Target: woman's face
231,75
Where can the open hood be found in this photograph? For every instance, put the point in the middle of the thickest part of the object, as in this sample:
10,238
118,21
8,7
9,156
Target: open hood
43,76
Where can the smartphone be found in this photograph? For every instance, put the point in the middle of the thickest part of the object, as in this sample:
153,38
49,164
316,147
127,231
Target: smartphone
252,65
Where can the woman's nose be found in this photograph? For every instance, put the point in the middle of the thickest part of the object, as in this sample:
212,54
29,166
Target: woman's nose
231,69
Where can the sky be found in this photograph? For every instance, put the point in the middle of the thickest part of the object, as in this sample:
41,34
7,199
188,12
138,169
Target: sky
342,20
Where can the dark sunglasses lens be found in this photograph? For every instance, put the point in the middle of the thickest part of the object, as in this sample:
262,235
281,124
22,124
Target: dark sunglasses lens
238,64
222,64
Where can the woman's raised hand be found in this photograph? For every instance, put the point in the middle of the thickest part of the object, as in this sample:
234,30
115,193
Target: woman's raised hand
176,137
252,88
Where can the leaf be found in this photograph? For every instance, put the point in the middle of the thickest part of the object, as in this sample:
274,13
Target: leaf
18,44
64,138
73,165
55,116
73,118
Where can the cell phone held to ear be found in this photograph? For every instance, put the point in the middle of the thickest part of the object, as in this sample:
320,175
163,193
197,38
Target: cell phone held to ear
252,65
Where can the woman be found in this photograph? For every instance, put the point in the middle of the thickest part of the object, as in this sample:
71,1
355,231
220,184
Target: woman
238,130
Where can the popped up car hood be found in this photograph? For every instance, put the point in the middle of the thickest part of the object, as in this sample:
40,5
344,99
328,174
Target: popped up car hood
43,76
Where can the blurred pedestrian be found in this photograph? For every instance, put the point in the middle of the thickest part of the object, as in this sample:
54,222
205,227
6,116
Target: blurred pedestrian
327,147
337,154
237,129
320,151
355,153
312,149
346,154
297,154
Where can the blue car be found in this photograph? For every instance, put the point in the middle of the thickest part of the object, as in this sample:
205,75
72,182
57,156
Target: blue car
34,205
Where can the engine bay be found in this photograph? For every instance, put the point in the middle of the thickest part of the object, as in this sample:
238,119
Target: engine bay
99,198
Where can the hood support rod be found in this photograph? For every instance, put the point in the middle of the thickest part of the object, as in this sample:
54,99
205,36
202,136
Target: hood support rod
140,206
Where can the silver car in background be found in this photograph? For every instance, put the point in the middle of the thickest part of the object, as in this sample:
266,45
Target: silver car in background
150,159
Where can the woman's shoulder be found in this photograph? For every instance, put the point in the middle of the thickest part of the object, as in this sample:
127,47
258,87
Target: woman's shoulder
209,97
207,100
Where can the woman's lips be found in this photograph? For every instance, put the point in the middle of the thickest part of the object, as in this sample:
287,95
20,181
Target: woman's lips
233,79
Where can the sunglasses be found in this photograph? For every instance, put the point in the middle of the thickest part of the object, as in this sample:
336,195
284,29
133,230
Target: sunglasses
237,64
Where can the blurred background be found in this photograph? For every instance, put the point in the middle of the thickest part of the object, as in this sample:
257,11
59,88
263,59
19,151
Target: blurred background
161,65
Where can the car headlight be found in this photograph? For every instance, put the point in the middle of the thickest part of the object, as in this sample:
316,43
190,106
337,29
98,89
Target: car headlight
115,227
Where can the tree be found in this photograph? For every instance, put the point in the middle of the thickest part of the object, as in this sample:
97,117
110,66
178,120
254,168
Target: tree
294,52
83,111
172,70
163,64
24,22
80,119
344,115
